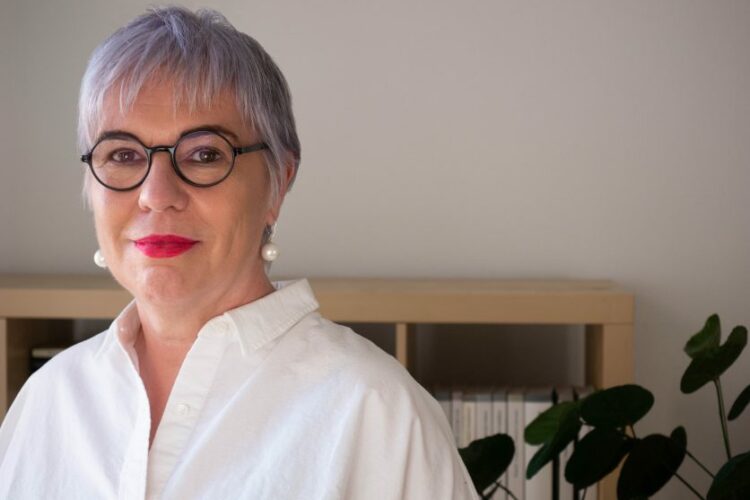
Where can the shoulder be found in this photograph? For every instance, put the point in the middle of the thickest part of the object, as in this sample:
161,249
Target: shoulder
63,365
70,361
355,373
394,431
69,374
50,383
334,348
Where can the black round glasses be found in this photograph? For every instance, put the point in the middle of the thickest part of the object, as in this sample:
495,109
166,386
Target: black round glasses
202,158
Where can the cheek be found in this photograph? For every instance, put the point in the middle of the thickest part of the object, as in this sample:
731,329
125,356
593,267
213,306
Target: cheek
243,218
244,223
108,215
98,209
103,225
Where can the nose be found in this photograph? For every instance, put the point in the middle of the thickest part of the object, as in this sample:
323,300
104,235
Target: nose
162,189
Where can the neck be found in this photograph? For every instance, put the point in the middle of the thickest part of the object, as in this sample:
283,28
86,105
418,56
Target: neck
169,328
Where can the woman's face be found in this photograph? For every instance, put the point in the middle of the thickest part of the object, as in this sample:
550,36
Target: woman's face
226,220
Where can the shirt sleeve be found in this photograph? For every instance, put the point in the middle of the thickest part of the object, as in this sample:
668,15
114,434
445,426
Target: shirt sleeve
10,432
405,450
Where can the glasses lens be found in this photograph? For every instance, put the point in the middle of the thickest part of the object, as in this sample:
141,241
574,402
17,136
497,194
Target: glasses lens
119,163
204,157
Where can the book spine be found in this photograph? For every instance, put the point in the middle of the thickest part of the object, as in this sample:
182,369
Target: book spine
457,403
566,489
538,487
500,426
468,419
484,414
516,471
592,492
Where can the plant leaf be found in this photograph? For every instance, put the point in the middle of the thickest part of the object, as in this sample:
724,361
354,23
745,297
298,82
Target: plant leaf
566,433
709,365
739,404
652,462
617,406
596,455
706,339
679,436
546,424
487,459
733,479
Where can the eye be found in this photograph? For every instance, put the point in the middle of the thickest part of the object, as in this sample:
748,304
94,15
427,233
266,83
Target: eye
124,156
205,155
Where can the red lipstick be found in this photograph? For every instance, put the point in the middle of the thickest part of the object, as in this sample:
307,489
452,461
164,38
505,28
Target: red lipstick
162,246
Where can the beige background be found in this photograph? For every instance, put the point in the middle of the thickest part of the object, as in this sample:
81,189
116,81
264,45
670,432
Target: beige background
504,139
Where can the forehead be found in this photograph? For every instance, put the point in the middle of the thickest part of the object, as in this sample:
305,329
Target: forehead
159,113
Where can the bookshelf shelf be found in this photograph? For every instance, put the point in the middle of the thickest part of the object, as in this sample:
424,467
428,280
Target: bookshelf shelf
32,305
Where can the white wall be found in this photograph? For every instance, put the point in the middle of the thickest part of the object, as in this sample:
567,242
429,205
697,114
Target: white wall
581,139
7,124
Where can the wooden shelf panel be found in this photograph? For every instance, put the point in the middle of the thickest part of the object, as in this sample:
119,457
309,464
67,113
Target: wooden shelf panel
360,300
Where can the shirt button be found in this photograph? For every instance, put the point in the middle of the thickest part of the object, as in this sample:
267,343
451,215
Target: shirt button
183,409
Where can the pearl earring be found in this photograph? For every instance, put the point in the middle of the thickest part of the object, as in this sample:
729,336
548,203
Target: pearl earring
270,250
99,259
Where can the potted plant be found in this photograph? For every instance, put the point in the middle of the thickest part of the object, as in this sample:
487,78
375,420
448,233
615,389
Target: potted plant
648,462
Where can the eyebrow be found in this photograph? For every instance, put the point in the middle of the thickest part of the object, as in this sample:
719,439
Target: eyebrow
214,128
124,134
115,134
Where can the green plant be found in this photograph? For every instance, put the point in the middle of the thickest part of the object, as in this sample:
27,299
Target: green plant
486,460
649,462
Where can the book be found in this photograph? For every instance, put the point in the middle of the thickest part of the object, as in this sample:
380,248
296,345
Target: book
516,425
539,487
565,489
500,426
483,422
468,417
457,407
477,412
593,490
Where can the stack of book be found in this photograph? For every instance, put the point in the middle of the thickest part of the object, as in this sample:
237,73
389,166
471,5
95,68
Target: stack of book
475,413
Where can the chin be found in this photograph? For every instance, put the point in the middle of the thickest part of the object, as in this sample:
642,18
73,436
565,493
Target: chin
162,283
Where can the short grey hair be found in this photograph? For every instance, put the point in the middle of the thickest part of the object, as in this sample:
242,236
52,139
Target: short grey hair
203,55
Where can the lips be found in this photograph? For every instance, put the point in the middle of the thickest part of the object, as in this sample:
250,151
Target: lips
162,246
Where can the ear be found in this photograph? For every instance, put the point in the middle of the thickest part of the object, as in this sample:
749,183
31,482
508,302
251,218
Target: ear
286,179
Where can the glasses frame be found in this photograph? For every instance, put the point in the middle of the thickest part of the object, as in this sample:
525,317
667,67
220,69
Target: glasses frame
236,151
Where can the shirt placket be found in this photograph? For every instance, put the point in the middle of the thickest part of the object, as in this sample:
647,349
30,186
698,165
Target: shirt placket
185,403
133,478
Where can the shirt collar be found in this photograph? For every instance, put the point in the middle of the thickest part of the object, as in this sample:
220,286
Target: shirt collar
125,327
254,323
262,320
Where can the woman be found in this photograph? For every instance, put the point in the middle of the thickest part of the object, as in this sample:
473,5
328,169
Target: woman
213,383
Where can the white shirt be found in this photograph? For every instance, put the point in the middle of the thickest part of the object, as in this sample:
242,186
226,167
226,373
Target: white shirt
271,402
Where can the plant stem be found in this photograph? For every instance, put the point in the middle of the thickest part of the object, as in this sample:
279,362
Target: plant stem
506,490
510,493
632,429
690,487
488,494
723,417
699,463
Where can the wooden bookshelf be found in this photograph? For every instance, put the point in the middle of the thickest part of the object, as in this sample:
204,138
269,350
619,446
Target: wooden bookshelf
31,307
